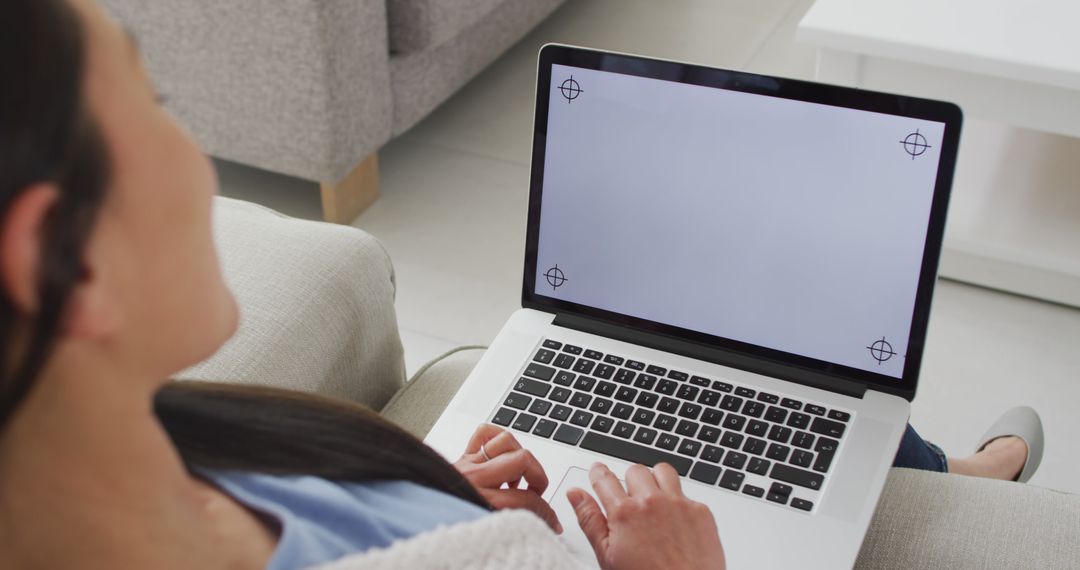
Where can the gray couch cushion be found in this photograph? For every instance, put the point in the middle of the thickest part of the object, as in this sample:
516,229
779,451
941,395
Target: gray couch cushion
924,519
416,25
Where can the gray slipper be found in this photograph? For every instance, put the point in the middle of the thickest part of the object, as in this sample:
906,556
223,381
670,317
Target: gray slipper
1022,422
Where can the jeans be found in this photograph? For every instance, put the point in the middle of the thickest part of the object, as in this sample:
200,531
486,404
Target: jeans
917,453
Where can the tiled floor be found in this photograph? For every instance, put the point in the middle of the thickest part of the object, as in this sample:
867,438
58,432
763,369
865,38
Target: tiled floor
452,215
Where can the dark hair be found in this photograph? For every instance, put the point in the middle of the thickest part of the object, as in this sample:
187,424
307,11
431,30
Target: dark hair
47,134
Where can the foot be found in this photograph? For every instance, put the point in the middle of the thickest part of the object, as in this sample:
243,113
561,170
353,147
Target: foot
1002,458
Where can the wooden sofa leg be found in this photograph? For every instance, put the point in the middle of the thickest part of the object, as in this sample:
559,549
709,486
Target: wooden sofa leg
343,201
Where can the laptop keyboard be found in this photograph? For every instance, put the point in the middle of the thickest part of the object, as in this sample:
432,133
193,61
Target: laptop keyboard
761,445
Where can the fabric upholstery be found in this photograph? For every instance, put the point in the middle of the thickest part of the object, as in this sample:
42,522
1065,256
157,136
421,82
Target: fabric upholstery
924,519
316,304
300,87
422,81
416,25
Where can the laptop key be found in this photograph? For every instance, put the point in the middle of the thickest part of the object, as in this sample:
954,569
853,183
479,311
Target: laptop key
624,376
776,415
757,427
791,404
645,435
712,417
583,366
798,420
688,392
758,466
778,452
753,491
690,447
604,371
700,381
744,392
767,398
581,418
601,405
667,441
580,400
802,439
755,445
705,473
647,399
827,427
518,401
571,349
687,428
779,493
709,398
802,504
504,417
753,409
665,422
602,424
564,361
709,434
796,476
680,376
690,411
552,344
612,359
622,411
801,458
777,498
669,405
635,365
731,403
732,480
780,433
524,422
814,409
633,452
826,445
644,417
532,387
712,454
734,422
540,407
605,389
625,394
659,371
559,395
823,461
593,354
564,378
721,386
645,381
544,356
561,413
539,371
585,383
568,434
544,428
735,460
839,416
667,387
731,439
623,429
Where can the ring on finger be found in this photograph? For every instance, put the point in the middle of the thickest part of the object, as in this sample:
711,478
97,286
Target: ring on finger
484,453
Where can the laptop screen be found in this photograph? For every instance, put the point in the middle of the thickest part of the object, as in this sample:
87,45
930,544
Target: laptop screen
791,225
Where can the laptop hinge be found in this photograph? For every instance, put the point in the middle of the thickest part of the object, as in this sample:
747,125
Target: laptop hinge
712,354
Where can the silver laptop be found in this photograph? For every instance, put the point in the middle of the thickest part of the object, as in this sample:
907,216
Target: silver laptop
728,272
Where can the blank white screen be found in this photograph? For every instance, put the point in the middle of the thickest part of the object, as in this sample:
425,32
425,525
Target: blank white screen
790,225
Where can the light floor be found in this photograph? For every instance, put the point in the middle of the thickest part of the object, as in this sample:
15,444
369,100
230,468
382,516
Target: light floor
452,215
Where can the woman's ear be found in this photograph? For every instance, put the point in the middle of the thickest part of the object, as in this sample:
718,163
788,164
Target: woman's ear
21,244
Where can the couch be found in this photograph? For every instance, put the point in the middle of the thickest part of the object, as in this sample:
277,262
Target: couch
317,315
313,88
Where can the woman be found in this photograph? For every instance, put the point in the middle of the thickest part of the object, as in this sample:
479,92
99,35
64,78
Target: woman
110,284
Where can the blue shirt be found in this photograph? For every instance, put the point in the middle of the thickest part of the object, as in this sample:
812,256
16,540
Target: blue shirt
321,521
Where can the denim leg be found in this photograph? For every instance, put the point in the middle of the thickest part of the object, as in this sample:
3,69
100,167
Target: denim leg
916,453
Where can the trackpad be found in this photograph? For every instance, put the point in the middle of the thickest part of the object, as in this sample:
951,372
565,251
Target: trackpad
572,536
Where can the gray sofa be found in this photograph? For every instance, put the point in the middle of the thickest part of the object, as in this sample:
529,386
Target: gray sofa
318,315
313,88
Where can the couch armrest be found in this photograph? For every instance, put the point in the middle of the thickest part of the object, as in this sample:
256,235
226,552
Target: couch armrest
316,307
300,87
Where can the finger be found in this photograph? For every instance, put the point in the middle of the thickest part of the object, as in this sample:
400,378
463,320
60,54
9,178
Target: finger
607,486
591,520
508,468
667,478
640,481
482,435
520,499
504,442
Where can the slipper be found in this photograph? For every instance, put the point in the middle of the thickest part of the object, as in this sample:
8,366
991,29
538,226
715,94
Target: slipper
1022,422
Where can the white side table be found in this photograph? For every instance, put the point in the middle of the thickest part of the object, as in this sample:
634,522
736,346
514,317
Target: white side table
1014,67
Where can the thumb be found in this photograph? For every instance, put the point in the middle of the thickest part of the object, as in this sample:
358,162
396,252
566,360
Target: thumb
591,520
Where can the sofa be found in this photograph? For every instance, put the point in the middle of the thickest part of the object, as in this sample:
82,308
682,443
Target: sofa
313,88
317,315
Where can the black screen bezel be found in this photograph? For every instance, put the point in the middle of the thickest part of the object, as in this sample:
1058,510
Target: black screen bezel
917,108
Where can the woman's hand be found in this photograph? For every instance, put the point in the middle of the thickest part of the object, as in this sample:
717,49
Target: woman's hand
649,524
495,463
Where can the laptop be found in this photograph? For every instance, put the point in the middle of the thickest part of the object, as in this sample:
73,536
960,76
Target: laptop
728,272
